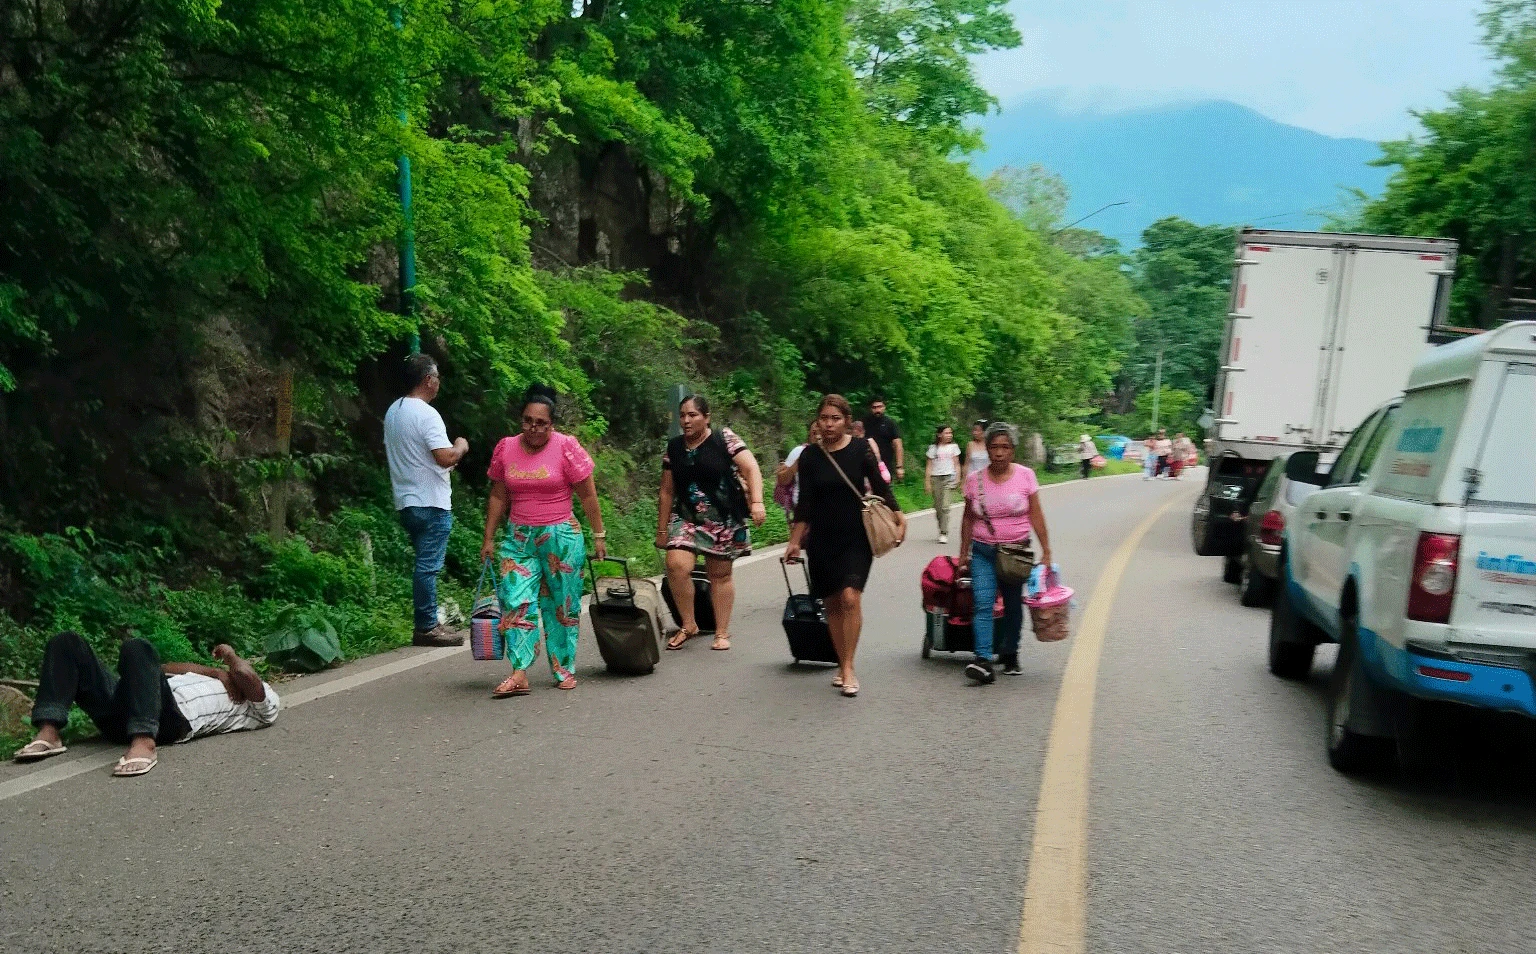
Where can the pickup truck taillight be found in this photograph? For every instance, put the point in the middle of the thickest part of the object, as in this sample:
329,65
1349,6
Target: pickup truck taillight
1433,583
1272,529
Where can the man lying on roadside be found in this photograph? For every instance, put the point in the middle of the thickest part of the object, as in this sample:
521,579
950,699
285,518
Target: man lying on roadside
145,702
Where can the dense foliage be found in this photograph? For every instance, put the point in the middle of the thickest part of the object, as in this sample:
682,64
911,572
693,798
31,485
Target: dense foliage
197,200
1472,176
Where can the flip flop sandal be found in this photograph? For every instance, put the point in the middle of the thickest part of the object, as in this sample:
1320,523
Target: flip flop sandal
569,682
837,682
851,691
128,768
721,638
505,691
675,643
37,750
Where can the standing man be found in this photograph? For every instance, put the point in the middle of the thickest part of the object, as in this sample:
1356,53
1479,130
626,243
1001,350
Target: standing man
420,459
886,435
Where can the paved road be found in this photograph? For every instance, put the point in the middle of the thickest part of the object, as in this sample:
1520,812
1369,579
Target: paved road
730,803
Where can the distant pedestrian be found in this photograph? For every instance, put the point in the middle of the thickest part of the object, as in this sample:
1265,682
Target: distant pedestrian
420,459
1002,506
786,484
879,428
146,702
1164,453
1149,457
829,528
976,451
1183,453
940,475
710,487
1087,450
533,479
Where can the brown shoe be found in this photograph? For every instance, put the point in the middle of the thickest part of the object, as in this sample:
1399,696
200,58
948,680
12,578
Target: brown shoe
438,636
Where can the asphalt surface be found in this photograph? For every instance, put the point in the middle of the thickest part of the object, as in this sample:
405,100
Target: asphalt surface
730,802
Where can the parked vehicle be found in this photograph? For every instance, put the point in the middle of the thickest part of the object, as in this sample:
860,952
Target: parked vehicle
1322,328
1418,553
1274,507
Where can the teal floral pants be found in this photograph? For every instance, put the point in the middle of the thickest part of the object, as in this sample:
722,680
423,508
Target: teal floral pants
540,586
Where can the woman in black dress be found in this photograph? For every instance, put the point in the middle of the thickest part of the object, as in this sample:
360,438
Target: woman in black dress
829,526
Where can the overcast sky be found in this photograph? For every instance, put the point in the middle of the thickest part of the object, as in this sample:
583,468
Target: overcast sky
1341,67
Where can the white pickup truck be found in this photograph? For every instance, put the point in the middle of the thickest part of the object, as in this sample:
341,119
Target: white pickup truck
1418,553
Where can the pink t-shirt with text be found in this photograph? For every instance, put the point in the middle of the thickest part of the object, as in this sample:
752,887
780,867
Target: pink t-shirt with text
1007,505
540,483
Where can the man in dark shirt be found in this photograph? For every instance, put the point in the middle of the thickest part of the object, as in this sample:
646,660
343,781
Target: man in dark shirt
887,436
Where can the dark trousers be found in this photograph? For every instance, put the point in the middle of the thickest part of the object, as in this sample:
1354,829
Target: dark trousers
136,701
1087,468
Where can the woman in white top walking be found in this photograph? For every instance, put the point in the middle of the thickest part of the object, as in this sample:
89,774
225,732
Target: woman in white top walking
941,475
976,451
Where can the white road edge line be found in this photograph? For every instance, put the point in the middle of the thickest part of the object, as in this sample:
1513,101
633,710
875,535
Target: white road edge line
60,771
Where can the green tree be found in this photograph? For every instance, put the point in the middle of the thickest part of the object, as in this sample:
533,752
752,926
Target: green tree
1183,272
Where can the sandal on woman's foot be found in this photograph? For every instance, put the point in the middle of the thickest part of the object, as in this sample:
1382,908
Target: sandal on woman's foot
37,750
680,637
510,687
851,691
722,641
569,682
128,768
837,681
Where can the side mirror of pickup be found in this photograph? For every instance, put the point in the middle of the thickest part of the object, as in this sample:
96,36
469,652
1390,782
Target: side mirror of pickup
1302,468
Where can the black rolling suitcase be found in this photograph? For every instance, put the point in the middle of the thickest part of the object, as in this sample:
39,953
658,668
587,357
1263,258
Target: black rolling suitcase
703,604
626,620
805,622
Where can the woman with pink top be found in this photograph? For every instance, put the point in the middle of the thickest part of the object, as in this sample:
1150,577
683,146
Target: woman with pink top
1002,505
533,478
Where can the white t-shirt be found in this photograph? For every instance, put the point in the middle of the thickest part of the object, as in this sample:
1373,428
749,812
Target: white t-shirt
209,710
789,461
412,431
943,457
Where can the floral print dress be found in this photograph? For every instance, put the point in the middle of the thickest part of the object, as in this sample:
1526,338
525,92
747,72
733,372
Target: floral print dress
704,491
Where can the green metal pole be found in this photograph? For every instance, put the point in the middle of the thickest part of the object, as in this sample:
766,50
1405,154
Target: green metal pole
407,216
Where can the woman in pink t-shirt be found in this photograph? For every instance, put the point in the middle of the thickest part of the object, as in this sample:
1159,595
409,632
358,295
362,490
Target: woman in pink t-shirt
533,478
1002,505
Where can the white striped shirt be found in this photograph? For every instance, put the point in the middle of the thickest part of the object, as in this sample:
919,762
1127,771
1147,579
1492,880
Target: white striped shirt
207,706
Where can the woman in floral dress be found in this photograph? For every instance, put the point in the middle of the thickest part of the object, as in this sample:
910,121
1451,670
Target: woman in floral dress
704,509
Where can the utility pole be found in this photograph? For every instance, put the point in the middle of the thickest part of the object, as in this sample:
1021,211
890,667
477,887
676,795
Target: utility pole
1157,389
407,215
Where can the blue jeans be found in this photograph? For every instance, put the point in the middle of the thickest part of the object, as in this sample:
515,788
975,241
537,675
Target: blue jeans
984,585
428,529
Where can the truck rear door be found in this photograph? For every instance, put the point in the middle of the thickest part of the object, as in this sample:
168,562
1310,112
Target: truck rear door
1282,306
1495,599
1387,303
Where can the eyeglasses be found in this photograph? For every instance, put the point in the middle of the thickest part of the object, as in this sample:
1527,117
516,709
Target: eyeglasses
530,424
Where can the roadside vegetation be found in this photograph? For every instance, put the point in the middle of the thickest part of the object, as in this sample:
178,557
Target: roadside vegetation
763,201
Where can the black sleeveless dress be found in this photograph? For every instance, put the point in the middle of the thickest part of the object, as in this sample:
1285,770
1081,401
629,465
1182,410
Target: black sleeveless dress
835,543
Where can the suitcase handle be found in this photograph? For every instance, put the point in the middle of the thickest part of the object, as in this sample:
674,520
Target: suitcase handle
621,561
784,567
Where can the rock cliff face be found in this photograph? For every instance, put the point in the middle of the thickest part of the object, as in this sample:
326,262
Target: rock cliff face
601,208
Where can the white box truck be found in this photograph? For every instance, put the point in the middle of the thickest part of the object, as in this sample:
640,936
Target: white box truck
1322,328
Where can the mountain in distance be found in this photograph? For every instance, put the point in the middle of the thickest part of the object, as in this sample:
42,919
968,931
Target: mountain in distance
1211,162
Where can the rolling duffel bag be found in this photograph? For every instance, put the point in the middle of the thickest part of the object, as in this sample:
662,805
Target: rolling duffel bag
626,619
703,603
805,622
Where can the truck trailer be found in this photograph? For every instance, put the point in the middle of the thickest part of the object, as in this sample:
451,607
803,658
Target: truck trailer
1322,328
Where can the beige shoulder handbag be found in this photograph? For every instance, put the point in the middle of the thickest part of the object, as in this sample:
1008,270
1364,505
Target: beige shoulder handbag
880,523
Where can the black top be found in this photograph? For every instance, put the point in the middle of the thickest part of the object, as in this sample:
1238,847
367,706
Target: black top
826,502
884,432
708,469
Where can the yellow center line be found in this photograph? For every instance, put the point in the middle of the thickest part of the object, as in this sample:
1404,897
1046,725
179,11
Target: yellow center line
1055,891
